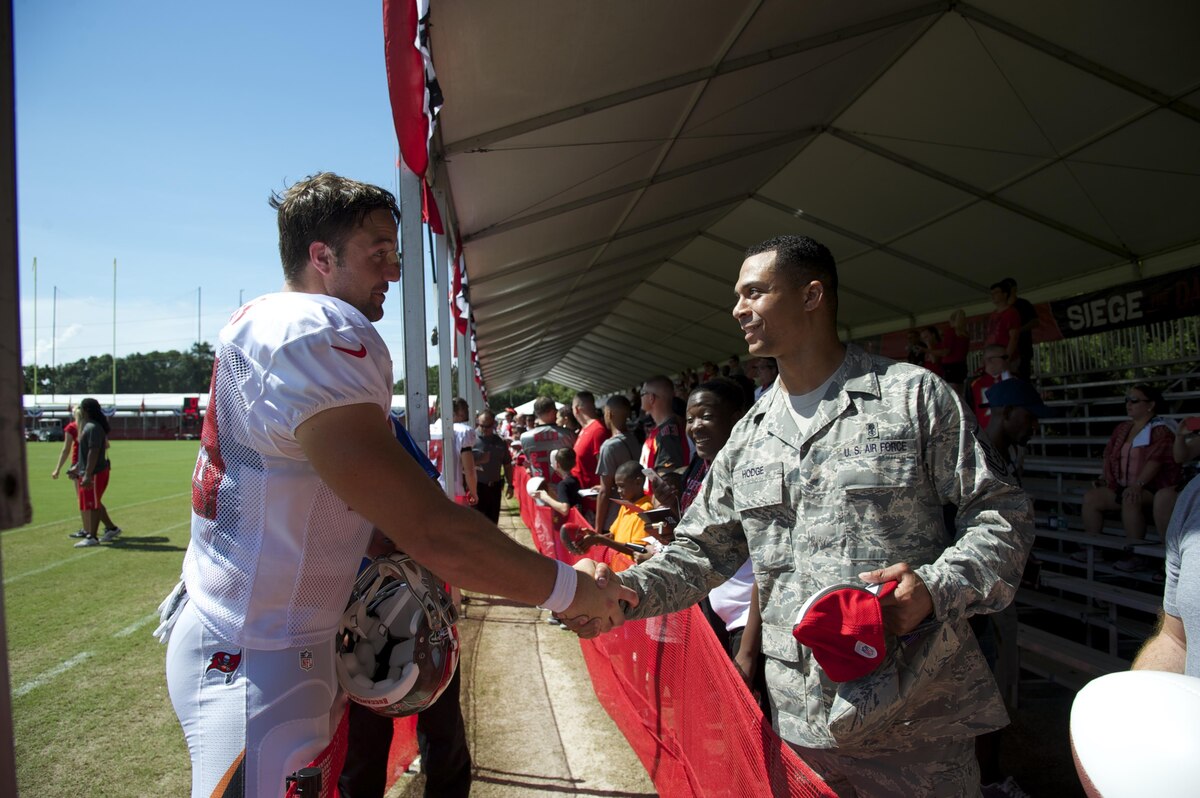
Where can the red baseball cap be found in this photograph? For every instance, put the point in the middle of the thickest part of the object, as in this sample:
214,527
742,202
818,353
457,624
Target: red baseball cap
843,625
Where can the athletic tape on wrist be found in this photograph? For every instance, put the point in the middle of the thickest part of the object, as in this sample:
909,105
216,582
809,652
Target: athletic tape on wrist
564,589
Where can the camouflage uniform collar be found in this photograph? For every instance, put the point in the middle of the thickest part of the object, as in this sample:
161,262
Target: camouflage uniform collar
856,375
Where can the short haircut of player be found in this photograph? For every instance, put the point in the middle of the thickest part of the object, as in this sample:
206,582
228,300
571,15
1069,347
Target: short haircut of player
327,208
630,469
803,259
543,405
585,399
459,405
92,412
619,404
660,386
564,458
991,350
728,393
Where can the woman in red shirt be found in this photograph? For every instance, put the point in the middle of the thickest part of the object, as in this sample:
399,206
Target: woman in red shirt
1138,461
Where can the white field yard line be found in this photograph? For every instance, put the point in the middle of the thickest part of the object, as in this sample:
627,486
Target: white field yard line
138,624
85,553
72,519
50,675
63,667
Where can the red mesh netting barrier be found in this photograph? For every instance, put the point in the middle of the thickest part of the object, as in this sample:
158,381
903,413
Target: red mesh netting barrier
676,696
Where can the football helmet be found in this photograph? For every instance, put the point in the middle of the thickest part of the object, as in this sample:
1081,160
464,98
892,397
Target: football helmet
397,643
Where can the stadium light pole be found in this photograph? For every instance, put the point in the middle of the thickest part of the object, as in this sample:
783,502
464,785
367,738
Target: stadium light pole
35,369
198,289
53,342
114,348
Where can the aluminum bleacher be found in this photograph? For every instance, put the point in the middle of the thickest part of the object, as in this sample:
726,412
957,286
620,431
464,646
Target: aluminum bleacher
1085,619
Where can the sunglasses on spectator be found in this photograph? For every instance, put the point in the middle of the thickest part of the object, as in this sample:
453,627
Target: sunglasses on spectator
997,357
486,426
1133,400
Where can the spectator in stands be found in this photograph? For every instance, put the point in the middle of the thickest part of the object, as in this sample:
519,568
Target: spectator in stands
1137,462
737,374
494,463
93,470
457,472
931,340
731,608
1028,317
592,435
841,474
767,371
628,526
506,425
619,448
915,348
71,447
956,341
538,441
1004,325
566,420
664,446
1015,410
708,371
1185,449
566,492
1179,621
995,369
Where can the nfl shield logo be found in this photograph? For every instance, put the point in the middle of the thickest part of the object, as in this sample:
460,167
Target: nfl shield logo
306,660
872,430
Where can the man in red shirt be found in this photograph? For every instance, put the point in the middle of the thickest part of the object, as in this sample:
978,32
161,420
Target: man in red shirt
1004,325
664,446
592,434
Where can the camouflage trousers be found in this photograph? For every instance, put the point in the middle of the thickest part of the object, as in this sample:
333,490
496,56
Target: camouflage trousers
944,768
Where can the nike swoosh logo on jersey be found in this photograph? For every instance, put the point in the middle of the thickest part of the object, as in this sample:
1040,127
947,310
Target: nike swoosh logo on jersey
360,352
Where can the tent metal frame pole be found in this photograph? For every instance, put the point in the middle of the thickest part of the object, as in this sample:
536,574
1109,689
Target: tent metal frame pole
482,140
1100,71
986,196
412,281
447,330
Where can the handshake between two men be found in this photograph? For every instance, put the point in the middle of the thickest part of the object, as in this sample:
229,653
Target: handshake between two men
600,601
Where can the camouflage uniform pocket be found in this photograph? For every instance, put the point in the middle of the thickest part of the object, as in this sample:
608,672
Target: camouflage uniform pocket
758,497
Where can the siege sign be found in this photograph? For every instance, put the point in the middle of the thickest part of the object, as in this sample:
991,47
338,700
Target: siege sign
1156,299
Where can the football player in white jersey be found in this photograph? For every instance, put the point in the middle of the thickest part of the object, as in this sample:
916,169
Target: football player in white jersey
297,464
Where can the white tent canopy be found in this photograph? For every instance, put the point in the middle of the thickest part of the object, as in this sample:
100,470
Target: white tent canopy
527,408
608,163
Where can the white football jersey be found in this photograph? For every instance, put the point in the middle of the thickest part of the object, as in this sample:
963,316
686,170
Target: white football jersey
274,551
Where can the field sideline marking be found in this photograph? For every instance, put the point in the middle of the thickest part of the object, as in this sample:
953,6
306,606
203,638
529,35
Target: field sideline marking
96,550
68,520
54,672
133,627
78,659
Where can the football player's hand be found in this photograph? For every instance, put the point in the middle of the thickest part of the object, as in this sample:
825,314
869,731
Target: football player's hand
597,607
906,606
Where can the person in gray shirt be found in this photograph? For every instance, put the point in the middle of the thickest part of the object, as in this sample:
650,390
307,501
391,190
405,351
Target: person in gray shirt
1167,649
619,448
494,462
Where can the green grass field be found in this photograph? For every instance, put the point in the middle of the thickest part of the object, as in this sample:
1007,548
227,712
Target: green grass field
90,701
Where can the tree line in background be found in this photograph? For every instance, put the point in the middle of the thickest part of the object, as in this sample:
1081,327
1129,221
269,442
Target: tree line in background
151,372
190,372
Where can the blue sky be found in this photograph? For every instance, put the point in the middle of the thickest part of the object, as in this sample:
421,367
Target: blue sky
153,133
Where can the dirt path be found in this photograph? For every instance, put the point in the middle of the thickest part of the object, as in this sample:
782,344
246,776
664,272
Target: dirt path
533,723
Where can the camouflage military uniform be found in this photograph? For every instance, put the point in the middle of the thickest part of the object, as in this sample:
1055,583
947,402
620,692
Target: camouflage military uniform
889,446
